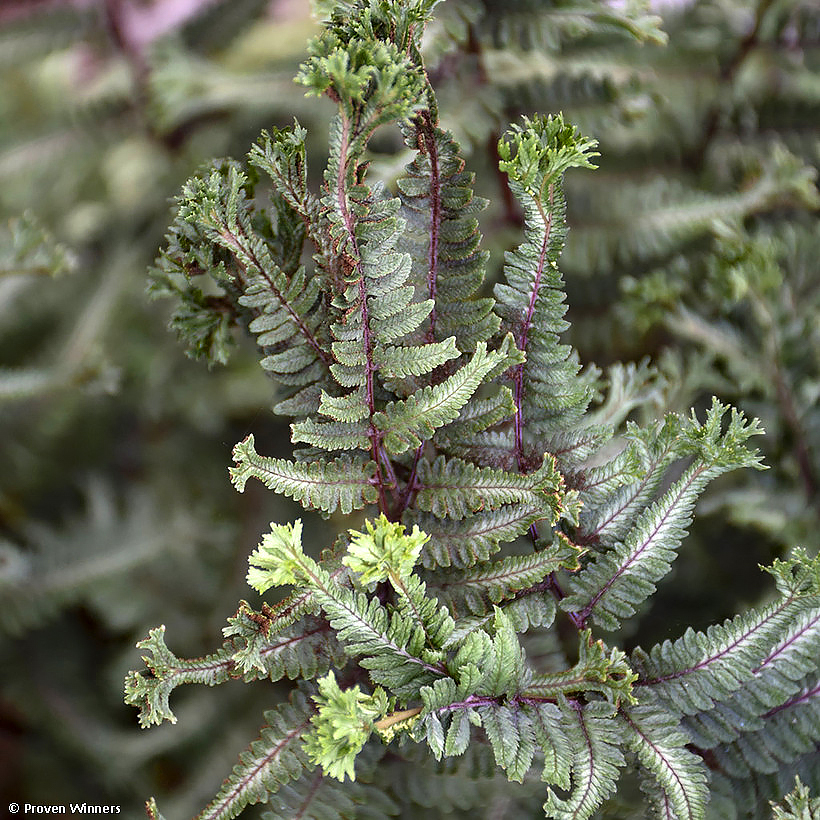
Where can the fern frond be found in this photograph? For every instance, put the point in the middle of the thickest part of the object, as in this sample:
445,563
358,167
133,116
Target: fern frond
660,747
396,362
504,668
305,650
257,646
775,680
409,422
150,692
701,668
553,743
275,759
339,484
649,453
212,234
442,236
599,669
333,436
455,489
342,725
475,417
318,797
799,804
532,27
496,581
547,393
615,583
289,314
512,737
283,157
595,742
393,646
529,609
470,541
27,247
788,732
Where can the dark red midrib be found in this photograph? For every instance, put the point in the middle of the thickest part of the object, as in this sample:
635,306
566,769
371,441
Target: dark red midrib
523,337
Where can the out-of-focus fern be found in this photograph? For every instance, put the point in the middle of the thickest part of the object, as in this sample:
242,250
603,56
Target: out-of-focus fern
756,325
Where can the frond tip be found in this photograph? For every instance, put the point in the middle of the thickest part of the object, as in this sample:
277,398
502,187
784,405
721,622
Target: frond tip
384,551
342,725
536,153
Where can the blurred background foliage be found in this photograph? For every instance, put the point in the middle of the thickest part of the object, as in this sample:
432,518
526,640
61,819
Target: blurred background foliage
696,244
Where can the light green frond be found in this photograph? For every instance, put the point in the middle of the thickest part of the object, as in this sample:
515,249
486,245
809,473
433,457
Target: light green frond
383,551
372,79
395,645
278,560
536,154
342,725
409,422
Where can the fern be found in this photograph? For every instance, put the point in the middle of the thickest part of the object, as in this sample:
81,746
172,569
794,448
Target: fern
505,503
611,586
273,760
442,235
595,760
799,805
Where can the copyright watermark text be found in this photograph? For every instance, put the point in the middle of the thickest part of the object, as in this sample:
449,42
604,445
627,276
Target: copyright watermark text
63,808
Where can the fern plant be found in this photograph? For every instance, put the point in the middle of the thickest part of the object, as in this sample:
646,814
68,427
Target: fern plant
498,525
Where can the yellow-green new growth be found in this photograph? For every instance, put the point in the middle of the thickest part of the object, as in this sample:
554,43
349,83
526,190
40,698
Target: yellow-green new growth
384,551
275,562
537,153
342,725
